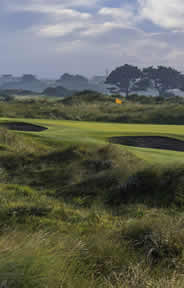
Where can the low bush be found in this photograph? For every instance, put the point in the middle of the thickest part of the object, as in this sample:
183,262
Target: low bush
91,106
154,187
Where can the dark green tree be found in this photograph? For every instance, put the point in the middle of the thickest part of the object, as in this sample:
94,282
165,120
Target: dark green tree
124,78
162,79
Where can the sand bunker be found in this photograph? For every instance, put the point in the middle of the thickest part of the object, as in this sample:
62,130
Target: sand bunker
21,126
155,142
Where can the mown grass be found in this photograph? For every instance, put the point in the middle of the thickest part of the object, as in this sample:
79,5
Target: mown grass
94,133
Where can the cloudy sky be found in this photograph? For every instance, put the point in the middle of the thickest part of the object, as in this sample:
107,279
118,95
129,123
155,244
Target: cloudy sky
50,37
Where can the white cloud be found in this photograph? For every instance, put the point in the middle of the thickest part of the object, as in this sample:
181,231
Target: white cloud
89,25
165,13
101,28
59,30
88,36
52,9
64,17
124,15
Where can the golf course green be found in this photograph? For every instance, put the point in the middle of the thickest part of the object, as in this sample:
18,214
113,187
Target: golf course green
93,133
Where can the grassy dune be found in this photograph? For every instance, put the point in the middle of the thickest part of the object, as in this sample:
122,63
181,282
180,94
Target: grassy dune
76,212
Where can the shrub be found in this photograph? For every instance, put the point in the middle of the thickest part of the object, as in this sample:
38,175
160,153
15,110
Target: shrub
155,187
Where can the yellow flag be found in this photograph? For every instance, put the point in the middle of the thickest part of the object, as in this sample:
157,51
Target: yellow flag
118,101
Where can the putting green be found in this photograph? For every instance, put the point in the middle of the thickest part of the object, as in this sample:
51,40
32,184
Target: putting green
94,133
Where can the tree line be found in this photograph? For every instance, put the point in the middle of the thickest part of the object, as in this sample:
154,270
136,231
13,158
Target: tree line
128,78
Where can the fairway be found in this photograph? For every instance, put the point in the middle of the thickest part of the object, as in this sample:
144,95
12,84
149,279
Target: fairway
93,133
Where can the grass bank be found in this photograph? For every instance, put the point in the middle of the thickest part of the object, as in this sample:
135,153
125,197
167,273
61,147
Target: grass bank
78,213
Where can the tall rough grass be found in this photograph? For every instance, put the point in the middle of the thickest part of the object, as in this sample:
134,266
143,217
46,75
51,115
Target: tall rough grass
103,109
19,143
81,216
